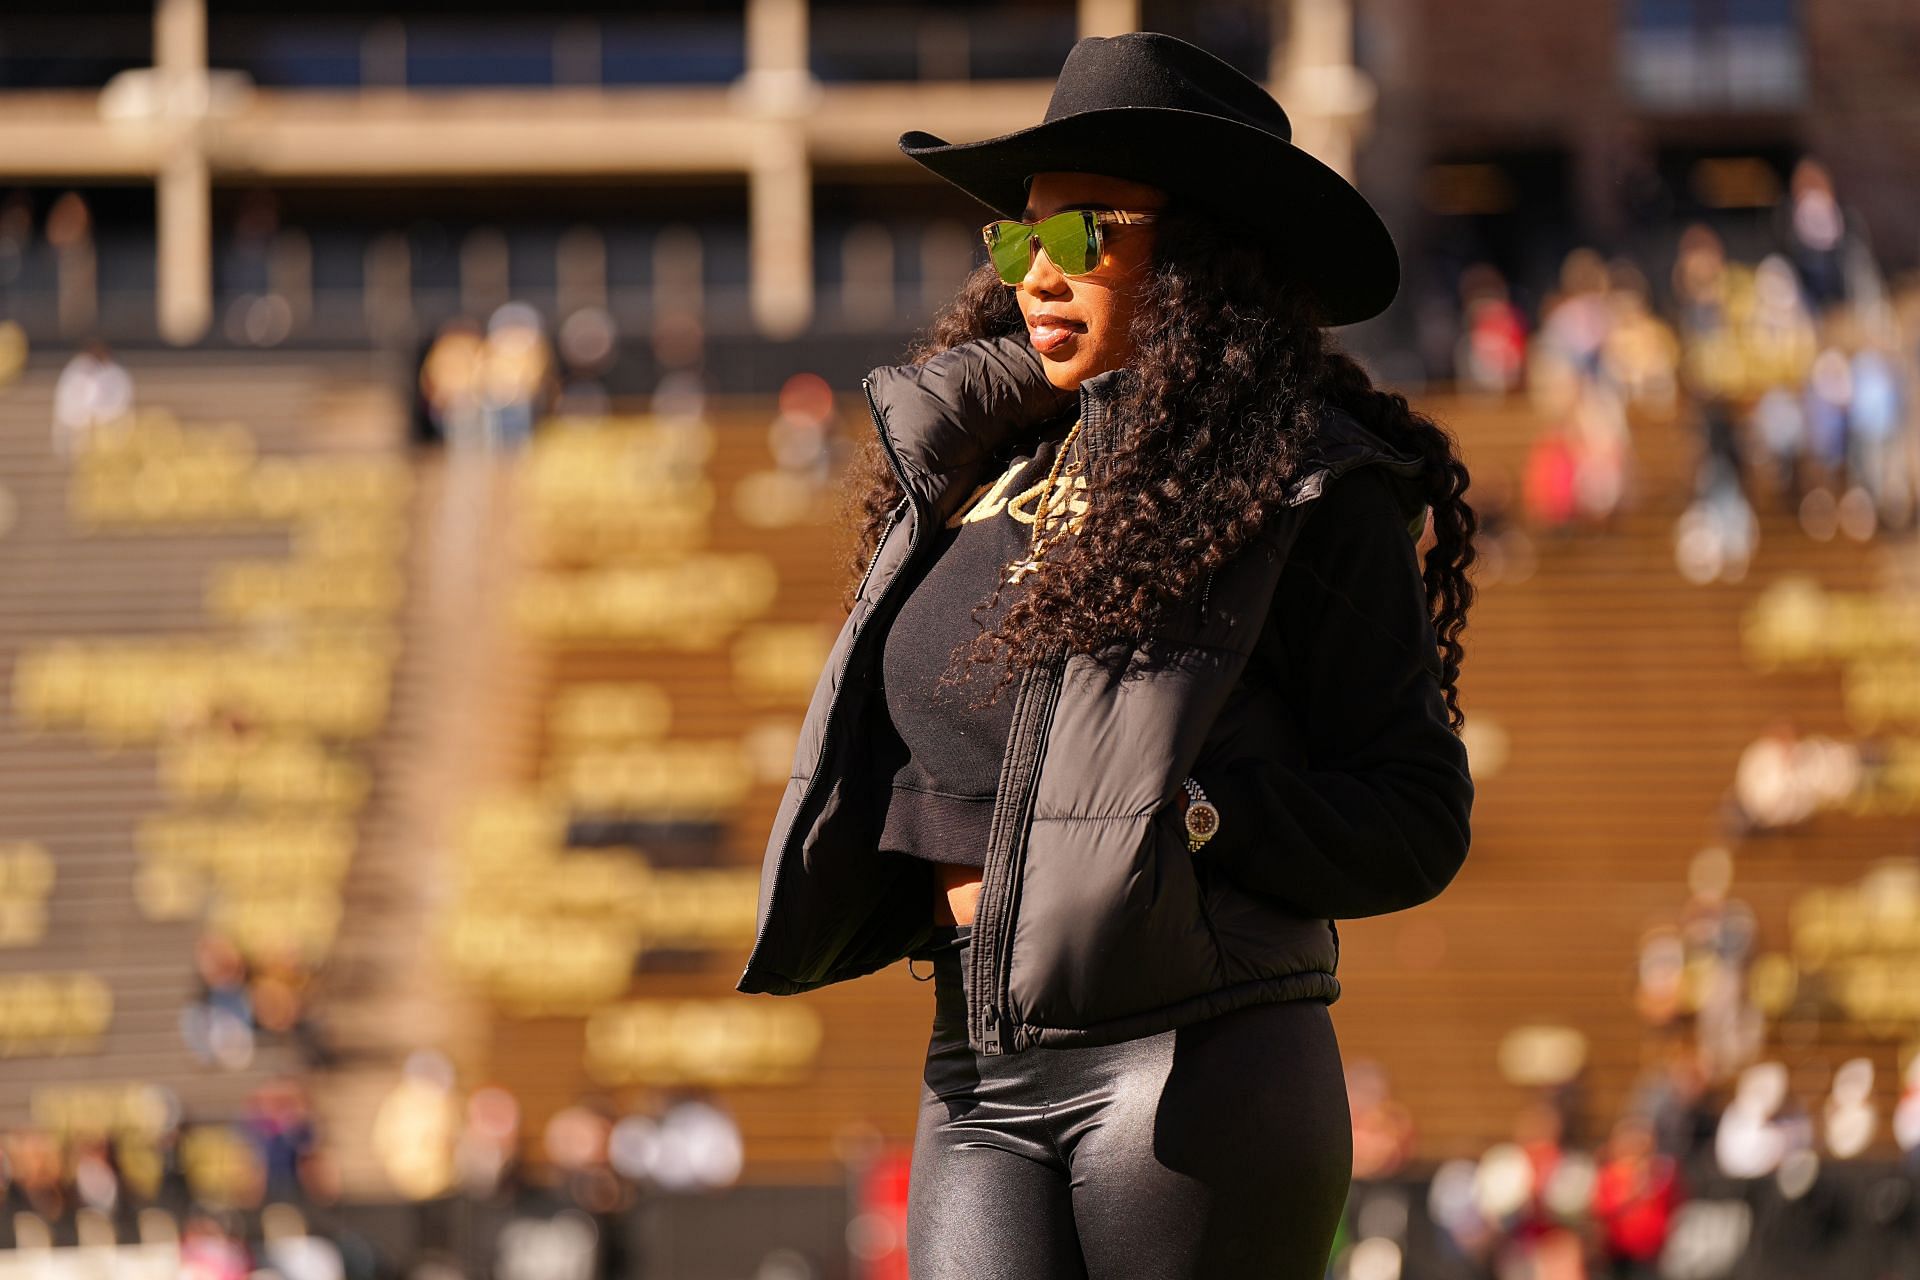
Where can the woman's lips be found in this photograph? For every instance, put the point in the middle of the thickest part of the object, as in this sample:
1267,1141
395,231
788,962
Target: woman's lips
1052,335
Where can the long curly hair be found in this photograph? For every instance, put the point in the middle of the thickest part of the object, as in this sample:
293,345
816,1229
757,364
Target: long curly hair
1211,421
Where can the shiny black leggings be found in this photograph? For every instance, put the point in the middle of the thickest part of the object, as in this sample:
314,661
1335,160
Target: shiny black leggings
1221,1149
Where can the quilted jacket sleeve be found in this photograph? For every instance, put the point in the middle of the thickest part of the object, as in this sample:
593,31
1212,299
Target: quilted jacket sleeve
962,403
1378,819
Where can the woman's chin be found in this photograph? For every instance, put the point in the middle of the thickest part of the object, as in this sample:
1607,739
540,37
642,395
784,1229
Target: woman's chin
1063,377
1067,371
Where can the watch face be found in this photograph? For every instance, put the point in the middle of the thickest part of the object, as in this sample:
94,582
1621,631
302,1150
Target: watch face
1202,819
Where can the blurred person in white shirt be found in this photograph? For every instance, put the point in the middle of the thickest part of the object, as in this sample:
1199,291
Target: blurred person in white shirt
93,390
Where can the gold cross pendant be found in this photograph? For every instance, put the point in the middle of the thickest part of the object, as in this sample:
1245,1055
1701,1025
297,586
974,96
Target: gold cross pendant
1022,568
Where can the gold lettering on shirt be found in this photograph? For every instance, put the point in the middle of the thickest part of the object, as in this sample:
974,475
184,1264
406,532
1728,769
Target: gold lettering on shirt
991,499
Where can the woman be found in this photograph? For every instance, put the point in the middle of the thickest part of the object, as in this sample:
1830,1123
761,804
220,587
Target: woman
1126,468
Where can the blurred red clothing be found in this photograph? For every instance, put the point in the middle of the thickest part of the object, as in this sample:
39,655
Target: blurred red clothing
882,1252
1544,1154
1547,485
1497,334
1634,1200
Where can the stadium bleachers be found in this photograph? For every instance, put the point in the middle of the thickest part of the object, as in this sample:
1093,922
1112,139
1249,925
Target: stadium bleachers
85,778
83,803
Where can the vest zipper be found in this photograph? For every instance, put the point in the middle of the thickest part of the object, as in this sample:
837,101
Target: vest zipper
1006,856
885,529
985,951
992,938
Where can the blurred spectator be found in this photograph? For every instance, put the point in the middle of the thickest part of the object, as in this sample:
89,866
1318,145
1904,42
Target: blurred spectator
280,1120
486,1155
1700,288
1524,1187
1762,1125
1784,778
800,436
211,1248
679,347
13,336
577,1143
1876,420
278,993
1491,355
589,341
1816,232
1640,353
1849,1120
39,1185
450,383
1634,1198
1575,321
415,1127
1602,452
96,1178
699,1146
1675,1096
218,1024
1717,534
1829,401
1718,930
517,379
1549,489
1660,994
1383,1132
1778,425
93,391
293,1251
1455,1204
876,1236
1906,1115
1777,336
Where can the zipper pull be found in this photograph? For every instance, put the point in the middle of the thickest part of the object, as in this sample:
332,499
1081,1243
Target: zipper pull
990,1042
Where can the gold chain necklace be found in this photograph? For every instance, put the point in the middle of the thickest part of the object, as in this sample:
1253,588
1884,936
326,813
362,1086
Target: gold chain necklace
1045,507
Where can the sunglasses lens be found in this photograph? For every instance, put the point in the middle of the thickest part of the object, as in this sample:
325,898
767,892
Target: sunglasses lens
1069,241
1007,246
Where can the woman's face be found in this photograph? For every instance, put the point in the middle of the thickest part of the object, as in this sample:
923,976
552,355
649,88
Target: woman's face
1080,324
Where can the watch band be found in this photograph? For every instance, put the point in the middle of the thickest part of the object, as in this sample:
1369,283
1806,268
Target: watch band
1202,819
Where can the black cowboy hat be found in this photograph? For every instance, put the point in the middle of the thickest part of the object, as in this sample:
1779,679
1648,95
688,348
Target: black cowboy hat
1152,108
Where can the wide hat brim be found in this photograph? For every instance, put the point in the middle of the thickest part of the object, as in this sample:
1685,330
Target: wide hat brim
1330,239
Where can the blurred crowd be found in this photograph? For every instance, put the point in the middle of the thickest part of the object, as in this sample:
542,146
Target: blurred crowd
1795,375
434,1140
239,1003
1728,1159
134,1167
486,387
259,1198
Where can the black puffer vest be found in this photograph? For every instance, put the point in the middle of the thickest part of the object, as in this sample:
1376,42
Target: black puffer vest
1094,923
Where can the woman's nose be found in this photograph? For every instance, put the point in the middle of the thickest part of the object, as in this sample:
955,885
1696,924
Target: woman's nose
1042,276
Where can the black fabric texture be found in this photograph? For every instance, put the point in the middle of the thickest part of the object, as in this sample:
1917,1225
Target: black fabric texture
1220,1149
940,802
1348,637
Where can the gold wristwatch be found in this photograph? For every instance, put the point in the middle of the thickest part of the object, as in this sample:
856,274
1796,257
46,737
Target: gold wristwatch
1201,817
